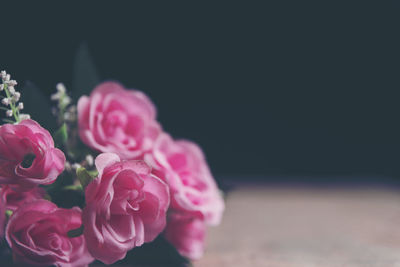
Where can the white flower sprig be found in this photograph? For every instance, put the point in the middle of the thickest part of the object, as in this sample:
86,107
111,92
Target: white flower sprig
11,99
65,112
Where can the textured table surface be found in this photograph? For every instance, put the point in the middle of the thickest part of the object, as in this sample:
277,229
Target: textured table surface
287,226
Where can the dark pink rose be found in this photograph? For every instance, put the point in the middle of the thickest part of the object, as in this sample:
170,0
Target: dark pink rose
37,235
28,156
125,207
183,166
117,120
12,198
187,234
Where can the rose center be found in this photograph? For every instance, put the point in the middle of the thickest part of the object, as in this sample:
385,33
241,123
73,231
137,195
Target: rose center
134,200
55,242
28,160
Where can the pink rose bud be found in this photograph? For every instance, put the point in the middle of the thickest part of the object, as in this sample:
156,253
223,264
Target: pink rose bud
187,234
27,155
193,189
117,120
38,235
125,206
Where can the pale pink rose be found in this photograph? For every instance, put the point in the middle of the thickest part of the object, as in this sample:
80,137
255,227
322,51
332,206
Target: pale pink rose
37,235
13,198
114,119
28,156
187,234
125,206
192,187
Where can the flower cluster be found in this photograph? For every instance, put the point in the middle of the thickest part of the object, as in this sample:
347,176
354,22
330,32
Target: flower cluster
11,98
137,181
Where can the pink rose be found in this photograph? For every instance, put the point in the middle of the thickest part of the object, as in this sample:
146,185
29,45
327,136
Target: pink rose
28,156
37,235
187,234
183,166
12,199
125,207
117,120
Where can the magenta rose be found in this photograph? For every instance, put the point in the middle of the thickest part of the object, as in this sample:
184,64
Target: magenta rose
114,119
37,235
28,156
183,166
125,206
187,234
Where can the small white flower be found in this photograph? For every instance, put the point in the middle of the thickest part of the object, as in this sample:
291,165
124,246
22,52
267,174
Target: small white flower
11,89
1,87
68,166
89,160
7,78
76,166
61,88
55,96
11,82
20,106
17,96
5,101
67,116
3,74
24,116
9,113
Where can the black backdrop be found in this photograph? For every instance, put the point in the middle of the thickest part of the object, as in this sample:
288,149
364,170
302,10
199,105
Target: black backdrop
265,90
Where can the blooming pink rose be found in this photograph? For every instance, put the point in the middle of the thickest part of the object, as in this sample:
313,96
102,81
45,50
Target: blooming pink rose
183,166
117,120
12,199
187,234
37,235
125,206
28,156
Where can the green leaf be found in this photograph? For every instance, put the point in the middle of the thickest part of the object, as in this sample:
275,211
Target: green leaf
85,176
61,135
93,173
76,232
85,76
73,187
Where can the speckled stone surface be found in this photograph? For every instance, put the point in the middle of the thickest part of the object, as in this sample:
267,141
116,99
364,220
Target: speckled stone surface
286,226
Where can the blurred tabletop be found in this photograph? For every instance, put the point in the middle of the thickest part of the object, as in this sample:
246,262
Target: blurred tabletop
307,226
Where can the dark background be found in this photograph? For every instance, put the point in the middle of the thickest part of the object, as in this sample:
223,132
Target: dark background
267,91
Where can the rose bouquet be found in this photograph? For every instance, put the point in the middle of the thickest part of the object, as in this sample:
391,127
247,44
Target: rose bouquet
106,182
